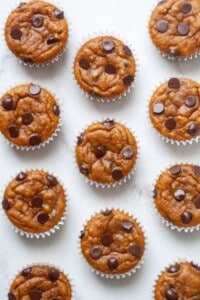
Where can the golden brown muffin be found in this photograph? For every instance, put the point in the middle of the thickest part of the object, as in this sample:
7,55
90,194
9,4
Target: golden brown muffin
106,152
36,32
180,281
112,242
174,109
104,67
40,282
29,115
174,27
177,195
34,201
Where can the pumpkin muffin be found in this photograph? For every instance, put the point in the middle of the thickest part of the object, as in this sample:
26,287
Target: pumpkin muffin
174,109
113,242
178,281
36,32
38,282
177,195
106,152
29,116
104,67
34,202
174,28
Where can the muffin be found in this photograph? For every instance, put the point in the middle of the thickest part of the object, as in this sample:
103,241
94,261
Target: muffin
37,282
174,27
174,110
35,203
104,67
178,281
29,116
113,243
177,195
36,32
106,152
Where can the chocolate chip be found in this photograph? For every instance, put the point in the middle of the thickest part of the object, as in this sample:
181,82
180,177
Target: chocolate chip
174,83
158,109
173,269
34,139
112,263
35,294
37,201
127,50
37,21
128,152
108,46
179,195
117,173
171,294
107,212
34,89
13,131
52,40
173,53
183,29
192,128
100,151
83,168
95,253
186,217
197,202
185,7
108,122
56,110
170,123
22,4
175,170
110,69
190,101
26,272
162,26
27,118
155,192
197,267
57,298
16,33
7,103
52,180
82,234
107,239
197,170
80,139
135,250
11,296
28,60
84,63
127,225
58,14
21,176
53,274
128,79
6,204
43,218
162,2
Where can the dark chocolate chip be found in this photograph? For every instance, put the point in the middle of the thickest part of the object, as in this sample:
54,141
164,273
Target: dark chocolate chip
127,50
95,253
197,170
171,294
28,60
107,239
16,33
43,218
173,53
192,128
80,139
82,234
84,63
56,110
11,296
52,40
6,204
34,139
135,250
26,272
179,195
112,263
107,212
21,176
197,267
128,152
170,123
162,2
110,69
57,298
162,26
83,168
158,109
35,294
7,103
27,118
155,192
174,268
117,173
175,170
128,79
59,14
37,201
174,83
13,131
37,21
22,4
108,46
100,151
190,101
52,180
34,89
183,29
127,225
197,202
186,217
53,274
186,7
108,122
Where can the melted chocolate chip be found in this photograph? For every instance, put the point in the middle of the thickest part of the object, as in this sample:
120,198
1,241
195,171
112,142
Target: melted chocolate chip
186,7
34,140
112,263
56,110
108,122
21,176
162,26
83,168
58,14
84,63
13,131
43,218
107,239
108,46
117,173
179,195
6,204
107,212
35,294
162,2
27,118
127,50
174,83
197,170
197,202
100,151
128,79
7,103
127,225
26,272
37,201
21,4
34,89
52,180
16,33
135,250
110,69
186,217
82,234
192,128
197,267
57,298
158,108
95,253
28,60
175,170
173,269
155,192
190,101
11,296
52,40
183,29
127,152
37,21
170,123
171,294
53,274
173,53
80,139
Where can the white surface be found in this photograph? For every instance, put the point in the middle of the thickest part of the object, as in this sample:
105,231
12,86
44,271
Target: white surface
129,18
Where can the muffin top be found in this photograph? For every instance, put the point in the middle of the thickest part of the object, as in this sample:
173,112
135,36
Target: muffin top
112,242
40,282
174,27
178,281
29,115
104,67
36,31
106,152
174,109
34,201
177,195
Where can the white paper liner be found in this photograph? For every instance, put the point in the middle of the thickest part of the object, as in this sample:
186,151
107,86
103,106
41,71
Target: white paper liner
159,51
135,56
12,277
55,59
41,234
122,275
119,182
162,137
163,220
54,134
